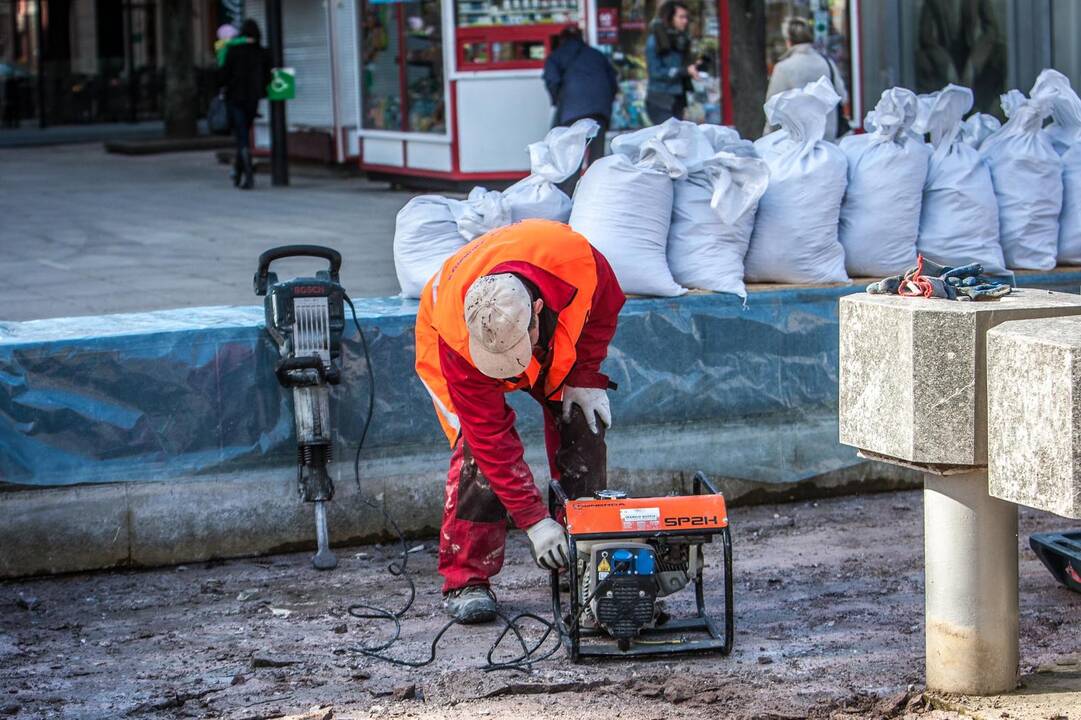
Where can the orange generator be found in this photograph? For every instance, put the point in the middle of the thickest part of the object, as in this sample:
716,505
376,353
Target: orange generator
626,554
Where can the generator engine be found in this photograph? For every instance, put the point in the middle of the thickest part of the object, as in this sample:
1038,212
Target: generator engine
628,553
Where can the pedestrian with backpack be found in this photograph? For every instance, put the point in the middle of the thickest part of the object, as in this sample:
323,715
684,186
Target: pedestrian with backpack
244,76
802,64
582,84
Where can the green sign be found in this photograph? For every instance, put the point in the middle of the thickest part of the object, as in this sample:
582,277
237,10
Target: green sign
283,84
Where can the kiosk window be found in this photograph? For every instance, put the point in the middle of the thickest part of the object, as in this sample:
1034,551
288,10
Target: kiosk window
402,66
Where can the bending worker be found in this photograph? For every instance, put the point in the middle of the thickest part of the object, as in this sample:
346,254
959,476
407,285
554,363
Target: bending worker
531,306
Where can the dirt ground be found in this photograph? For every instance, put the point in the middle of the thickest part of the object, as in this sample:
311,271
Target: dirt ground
829,598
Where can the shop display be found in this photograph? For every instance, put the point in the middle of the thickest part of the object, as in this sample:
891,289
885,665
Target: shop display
887,168
1027,176
795,234
496,13
959,219
387,29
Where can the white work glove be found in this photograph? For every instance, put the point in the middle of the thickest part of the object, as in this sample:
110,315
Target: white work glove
594,404
549,543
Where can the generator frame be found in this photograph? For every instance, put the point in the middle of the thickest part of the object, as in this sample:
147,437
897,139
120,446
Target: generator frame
715,640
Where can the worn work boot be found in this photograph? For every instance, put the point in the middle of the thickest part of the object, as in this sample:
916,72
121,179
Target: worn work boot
472,604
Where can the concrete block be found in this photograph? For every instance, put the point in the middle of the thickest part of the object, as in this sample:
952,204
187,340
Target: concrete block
63,529
913,376
1034,414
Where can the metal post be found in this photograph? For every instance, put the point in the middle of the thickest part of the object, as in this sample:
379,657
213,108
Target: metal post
39,30
129,50
970,556
279,159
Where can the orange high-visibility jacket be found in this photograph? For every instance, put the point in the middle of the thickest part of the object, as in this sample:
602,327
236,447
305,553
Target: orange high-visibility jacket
552,247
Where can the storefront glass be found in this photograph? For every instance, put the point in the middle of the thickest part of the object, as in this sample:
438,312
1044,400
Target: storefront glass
925,44
962,42
622,29
81,61
402,66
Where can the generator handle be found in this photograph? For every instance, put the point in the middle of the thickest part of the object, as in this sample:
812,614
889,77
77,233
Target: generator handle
701,479
557,491
331,255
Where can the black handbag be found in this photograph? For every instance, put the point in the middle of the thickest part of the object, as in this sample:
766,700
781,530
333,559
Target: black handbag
217,116
843,125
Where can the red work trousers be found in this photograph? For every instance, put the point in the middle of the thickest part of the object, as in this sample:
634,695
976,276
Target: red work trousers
474,531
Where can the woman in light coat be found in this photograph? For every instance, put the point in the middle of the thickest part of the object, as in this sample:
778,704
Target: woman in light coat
803,64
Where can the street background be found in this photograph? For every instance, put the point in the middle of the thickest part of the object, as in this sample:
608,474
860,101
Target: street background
86,233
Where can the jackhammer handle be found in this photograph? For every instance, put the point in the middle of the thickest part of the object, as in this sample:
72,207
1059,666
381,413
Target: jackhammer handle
331,255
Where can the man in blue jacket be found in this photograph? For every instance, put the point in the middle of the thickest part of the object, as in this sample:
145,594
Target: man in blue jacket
582,84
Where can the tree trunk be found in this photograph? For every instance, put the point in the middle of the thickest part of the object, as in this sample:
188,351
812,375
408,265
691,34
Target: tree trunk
747,62
179,106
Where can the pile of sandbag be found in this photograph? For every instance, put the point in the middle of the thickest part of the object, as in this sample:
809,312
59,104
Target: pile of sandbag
713,213
623,205
887,167
1027,176
959,217
1064,132
431,228
795,231
551,161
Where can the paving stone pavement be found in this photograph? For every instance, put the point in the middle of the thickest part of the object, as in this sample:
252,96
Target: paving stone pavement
83,232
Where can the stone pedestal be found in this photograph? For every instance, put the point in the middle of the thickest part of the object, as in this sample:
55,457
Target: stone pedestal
912,372
1034,414
913,390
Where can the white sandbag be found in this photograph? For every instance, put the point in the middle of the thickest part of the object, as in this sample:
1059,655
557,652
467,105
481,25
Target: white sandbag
977,128
880,215
959,219
795,231
623,206
1027,175
683,139
551,161
712,220
431,228
1064,132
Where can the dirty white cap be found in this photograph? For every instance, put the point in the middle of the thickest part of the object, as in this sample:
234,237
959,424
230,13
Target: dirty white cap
497,314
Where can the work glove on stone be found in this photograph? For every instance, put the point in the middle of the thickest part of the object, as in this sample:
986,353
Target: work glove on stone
548,543
594,404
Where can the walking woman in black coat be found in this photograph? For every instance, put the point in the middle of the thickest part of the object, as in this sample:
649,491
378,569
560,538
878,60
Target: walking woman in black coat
245,76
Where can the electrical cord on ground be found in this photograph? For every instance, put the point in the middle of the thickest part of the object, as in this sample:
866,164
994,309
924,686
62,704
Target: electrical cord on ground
399,569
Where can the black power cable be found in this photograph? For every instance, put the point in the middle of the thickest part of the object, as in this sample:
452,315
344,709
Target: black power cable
399,568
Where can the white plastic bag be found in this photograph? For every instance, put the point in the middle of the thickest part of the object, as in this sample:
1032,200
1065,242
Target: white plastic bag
1027,175
1065,135
712,220
959,220
551,161
795,231
977,128
880,215
431,228
623,206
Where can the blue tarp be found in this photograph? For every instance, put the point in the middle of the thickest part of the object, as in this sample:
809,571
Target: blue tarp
192,391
